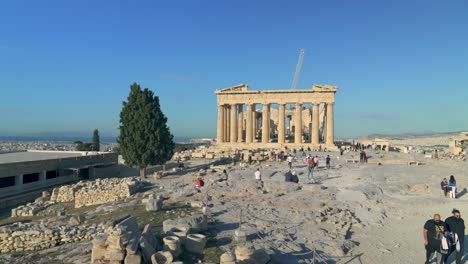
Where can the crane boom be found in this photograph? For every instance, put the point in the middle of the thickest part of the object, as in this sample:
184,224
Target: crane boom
298,69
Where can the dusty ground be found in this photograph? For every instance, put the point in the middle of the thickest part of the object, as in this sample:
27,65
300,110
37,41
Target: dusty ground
352,213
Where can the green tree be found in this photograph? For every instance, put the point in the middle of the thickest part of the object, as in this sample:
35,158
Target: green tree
96,141
80,146
144,137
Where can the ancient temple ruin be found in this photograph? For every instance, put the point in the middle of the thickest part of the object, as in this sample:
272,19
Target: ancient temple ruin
273,118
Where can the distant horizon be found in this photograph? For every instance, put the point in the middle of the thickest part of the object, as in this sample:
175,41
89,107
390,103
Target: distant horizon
70,136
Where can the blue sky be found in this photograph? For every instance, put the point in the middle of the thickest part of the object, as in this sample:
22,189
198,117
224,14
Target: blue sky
66,66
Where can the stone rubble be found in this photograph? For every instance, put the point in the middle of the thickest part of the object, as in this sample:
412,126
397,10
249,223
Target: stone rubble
30,209
19,237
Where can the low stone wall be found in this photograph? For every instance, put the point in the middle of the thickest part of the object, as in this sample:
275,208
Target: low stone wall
96,192
20,237
30,209
105,192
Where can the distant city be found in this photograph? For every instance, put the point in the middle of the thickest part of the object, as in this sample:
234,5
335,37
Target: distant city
65,143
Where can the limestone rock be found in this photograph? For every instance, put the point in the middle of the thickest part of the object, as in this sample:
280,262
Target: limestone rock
195,223
154,205
195,243
162,257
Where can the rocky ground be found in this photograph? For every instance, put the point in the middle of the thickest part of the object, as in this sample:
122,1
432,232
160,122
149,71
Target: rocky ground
351,213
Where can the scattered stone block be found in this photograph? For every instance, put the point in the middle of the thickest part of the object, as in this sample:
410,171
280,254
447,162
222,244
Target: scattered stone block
195,243
195,223
76,220
172,244
162,257
227,258
154,205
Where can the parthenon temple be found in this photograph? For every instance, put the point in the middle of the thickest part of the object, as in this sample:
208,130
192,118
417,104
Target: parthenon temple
273,118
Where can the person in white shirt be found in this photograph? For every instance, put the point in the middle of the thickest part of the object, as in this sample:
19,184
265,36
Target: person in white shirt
258,175
290,160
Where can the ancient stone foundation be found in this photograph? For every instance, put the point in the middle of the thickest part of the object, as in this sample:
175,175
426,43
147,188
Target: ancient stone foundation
96,192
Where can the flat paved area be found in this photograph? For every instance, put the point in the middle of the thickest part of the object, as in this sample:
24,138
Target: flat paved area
33,156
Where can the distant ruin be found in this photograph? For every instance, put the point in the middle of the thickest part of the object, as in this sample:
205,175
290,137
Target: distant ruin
241,124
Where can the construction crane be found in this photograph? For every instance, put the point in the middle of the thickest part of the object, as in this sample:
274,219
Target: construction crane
298,70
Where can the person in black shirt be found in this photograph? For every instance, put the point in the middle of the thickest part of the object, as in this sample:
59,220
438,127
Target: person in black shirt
456,225
433,229
327,161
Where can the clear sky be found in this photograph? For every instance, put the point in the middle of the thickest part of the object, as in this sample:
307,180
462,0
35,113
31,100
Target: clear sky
66,66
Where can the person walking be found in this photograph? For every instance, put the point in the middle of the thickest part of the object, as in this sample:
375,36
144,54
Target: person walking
310,167
456,225
290,160
327,161
433,233
452,186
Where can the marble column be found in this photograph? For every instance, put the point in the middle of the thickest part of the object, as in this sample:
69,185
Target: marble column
226,123
240,122
220,130
255,124
265,123
330,129
298,124
281,123
248,124
233,120
315,123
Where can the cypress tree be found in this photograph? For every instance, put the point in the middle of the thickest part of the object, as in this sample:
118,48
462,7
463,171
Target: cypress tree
144,137
96,140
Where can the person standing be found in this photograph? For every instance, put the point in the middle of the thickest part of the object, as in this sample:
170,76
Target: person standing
310,172
444,186
310,167
290,160
452,187
433,231
456,225
316,163
258,175
327,161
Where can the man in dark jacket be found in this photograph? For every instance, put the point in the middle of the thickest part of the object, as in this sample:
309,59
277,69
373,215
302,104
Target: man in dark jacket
456,225
433,230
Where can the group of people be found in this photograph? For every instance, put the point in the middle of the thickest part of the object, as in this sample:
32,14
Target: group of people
199,183
444,238
291,176
449,188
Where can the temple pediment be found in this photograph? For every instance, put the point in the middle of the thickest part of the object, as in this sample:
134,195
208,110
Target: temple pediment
235,88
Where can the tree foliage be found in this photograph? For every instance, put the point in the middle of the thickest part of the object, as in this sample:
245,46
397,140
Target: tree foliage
96,140
83,146
144,137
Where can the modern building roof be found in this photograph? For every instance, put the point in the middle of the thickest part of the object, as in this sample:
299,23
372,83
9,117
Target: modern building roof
14,157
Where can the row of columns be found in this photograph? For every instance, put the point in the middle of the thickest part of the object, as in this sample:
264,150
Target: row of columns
231,125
